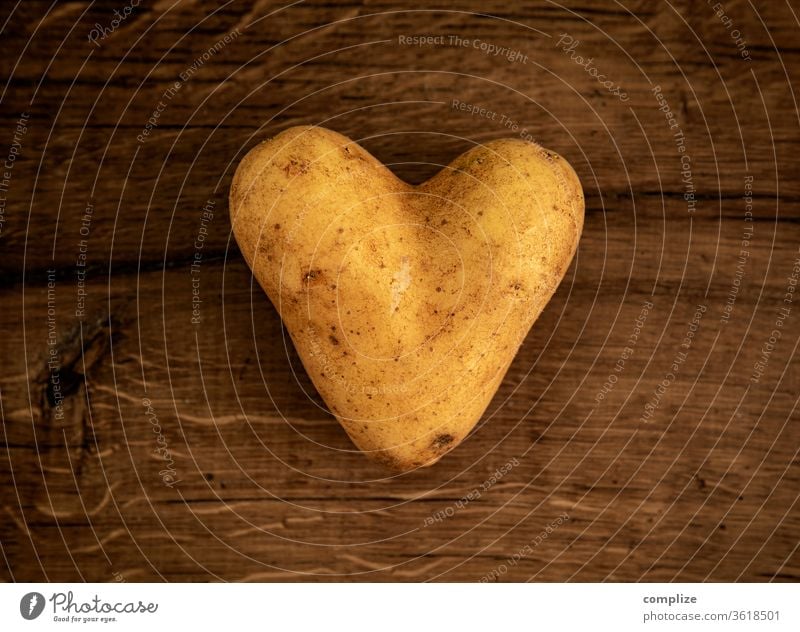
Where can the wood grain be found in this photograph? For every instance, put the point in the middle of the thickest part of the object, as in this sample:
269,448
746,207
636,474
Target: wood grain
195,452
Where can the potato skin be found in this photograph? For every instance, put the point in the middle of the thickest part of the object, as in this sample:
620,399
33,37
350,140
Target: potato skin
406,304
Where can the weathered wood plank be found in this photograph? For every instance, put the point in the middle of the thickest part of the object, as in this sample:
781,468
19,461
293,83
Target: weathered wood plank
90,154
220,392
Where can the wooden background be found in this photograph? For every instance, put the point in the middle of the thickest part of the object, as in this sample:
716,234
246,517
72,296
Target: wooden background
267,486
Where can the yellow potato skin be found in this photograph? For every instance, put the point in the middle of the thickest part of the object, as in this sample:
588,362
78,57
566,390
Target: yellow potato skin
406,304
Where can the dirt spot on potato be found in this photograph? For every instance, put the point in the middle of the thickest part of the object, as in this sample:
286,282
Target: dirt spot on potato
296,167
312,277
442,441
351,153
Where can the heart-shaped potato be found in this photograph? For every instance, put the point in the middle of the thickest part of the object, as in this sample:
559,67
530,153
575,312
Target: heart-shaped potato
405,303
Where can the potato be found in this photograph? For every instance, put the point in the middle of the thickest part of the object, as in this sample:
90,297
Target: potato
406,303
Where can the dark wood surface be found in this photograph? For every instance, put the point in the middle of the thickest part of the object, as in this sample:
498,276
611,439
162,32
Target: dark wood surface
264,484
